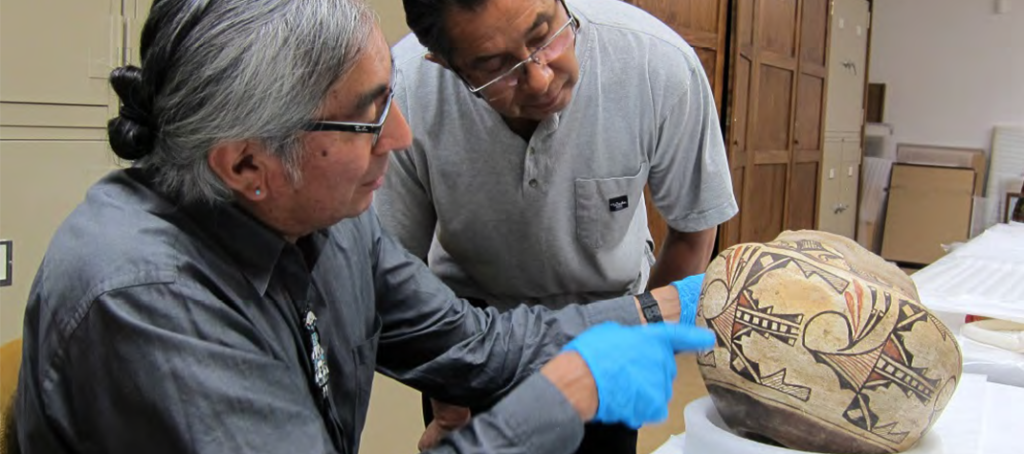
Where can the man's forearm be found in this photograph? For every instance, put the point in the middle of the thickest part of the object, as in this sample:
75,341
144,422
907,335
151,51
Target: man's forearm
537,417
683,254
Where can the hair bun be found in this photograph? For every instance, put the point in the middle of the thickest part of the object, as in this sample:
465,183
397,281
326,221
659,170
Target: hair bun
132,133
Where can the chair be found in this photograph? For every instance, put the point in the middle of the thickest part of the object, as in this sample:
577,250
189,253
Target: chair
10,363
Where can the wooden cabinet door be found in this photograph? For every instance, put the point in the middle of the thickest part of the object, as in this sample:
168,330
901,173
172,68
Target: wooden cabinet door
773,79
808,128
741,66
777,100
703,24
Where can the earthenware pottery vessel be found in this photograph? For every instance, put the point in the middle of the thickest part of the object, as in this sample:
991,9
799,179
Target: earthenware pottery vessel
823,346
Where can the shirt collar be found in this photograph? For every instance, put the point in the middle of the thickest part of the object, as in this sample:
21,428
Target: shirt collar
251,244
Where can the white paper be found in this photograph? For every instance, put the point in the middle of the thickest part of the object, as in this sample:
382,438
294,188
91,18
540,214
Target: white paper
981,277
961,423
1004,419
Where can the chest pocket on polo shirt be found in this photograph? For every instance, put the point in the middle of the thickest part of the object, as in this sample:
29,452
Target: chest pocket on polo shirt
605,207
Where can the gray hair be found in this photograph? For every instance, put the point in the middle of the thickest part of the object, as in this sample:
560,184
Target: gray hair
221,70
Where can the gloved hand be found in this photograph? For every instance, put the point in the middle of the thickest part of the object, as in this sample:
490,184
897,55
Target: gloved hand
633,367
689,295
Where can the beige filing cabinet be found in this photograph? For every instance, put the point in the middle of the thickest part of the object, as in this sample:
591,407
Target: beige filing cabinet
844,117
840,183
55,57
928,207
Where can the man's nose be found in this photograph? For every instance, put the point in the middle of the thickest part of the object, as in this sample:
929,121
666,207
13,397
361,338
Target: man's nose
538,76
396,134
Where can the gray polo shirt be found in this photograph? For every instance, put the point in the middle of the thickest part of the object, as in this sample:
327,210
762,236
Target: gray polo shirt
560,218
158,328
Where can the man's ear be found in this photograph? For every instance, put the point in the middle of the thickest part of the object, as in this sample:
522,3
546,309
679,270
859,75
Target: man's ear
243,166
436,59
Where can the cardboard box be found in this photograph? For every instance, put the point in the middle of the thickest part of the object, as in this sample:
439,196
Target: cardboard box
932,155
928,207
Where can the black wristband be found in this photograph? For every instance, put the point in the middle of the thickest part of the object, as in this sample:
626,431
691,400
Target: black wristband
649,306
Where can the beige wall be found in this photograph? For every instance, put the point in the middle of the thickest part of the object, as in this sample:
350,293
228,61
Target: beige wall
392,18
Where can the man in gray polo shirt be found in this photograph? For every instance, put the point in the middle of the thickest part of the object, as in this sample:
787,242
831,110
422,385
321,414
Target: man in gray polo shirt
536,125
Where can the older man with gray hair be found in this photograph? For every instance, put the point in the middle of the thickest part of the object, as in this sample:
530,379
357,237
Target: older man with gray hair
233,292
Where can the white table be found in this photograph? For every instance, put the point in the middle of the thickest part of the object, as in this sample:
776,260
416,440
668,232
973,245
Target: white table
981,418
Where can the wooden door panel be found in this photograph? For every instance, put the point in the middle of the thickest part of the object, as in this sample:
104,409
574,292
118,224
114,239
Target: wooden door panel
771,157
814,32
778,32
731,230
810,107
808,140
741,67
741,99
802,203
771,120
709,60
763,217
745,24
704,15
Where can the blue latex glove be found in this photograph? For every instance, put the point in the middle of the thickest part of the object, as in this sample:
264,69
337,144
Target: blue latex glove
689,296
633,367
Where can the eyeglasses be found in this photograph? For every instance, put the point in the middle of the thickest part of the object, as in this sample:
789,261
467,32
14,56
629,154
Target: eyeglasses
363,128
550,50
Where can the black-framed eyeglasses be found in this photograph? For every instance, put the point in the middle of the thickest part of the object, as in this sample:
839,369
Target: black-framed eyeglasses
552,48
374,128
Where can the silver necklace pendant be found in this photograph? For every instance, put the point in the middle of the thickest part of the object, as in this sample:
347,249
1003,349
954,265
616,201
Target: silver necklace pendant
321,372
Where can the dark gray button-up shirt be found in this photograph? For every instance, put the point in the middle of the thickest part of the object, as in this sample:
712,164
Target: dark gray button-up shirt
153,327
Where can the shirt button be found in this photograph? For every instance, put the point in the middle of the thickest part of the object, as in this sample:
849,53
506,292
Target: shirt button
533,183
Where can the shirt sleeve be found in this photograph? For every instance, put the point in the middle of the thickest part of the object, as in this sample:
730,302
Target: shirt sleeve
135,377
690,179
536,418
403,203
437,343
